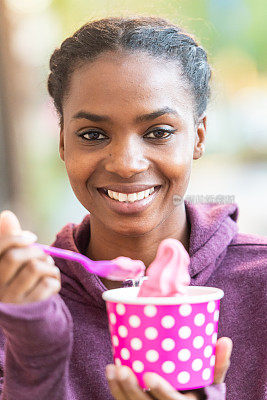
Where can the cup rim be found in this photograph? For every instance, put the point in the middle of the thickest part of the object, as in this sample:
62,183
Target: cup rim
195,294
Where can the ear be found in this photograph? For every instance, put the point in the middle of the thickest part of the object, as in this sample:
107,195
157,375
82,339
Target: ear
61,144
199,146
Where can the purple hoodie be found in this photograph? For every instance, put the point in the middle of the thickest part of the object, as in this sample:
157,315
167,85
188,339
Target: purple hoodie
58,348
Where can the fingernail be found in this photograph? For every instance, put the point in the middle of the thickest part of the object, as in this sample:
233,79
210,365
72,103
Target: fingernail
4,213
28,236
110,371
123,374
9,224
150,380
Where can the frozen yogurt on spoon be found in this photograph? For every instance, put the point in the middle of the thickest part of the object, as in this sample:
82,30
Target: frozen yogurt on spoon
118,269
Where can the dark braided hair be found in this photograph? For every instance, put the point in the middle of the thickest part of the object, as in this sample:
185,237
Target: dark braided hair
156,36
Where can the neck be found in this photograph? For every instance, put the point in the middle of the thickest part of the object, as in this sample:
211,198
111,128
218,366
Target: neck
107,245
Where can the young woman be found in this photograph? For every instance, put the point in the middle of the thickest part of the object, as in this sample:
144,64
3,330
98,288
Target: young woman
131,94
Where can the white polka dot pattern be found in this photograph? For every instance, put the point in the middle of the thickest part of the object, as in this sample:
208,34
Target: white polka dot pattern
134,321
112,318
212,361
125,354
198,342
199,319
123,331
214,338
150,311
151,333
120,308
209,328
115,340
167,322
183,377
138,366
168,367
136,344
197,364
206,374
211,306
216,315
152,355
184,355
168,344
184,332
185,310
176,340
208,351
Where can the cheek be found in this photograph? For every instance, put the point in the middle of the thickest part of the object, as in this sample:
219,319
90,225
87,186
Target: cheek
178,162
79,167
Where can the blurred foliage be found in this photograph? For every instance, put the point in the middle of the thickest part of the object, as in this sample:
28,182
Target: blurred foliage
219,24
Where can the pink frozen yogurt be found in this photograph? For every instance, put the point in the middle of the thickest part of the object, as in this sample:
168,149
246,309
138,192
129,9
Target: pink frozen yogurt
129,268
168,273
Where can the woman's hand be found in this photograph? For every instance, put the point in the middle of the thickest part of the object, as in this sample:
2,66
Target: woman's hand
124,385
27,274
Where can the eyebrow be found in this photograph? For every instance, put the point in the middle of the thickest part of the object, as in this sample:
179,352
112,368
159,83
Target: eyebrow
141,118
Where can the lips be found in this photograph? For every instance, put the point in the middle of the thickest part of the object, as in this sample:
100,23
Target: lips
127,189
127,207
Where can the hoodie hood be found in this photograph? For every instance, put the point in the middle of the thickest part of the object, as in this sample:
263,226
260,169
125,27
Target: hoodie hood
212,228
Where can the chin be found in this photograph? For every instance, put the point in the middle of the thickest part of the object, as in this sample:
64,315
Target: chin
130,229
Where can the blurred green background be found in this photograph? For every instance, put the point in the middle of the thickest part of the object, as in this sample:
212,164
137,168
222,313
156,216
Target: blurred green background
33,178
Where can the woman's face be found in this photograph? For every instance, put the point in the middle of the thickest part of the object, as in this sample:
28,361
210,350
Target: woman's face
129,121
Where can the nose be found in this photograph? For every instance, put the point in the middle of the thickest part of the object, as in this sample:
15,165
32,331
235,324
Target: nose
125,157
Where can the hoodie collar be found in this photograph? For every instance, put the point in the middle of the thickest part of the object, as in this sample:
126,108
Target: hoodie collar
212,228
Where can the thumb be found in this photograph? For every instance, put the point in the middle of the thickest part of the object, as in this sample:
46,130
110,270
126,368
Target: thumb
224,347
9,223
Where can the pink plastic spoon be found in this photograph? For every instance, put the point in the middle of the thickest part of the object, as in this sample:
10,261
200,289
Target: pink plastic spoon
119,269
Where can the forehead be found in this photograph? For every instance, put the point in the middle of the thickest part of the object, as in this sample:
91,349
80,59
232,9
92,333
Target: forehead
119,81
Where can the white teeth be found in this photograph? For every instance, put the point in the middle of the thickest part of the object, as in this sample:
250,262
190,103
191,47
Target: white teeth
140,195
131,197
122,197
146,193
115,195
110,193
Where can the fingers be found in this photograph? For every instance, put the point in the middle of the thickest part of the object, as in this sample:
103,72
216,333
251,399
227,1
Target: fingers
115,389
27,274
9,223
123,384
44,289
161,389
14,259
24,239
224,347
36,275
11,234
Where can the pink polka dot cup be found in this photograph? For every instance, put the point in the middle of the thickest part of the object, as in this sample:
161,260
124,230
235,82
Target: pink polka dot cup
174,337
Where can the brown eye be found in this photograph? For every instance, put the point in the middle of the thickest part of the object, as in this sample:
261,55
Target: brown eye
160,134
92,135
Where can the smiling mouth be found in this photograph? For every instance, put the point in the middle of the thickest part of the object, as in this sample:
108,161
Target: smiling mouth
128,197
